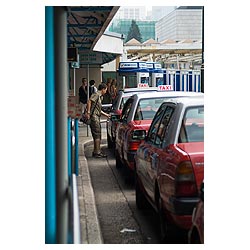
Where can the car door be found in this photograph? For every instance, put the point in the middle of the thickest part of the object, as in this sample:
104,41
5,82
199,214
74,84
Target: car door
147,166
122,126
158,155
161,155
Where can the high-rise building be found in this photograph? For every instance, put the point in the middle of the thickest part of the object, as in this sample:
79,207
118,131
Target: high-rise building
131,12
182,23
159,12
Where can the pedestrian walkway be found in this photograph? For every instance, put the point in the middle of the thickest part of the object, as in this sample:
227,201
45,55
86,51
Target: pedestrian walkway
89,223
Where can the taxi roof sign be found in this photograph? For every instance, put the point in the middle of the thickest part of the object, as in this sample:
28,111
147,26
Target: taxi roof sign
165,87
143,85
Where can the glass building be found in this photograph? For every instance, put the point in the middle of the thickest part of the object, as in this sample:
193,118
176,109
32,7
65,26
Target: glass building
122,26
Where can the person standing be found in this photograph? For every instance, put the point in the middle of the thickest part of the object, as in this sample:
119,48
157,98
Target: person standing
94,112
92,87
107,97
113,89
83,94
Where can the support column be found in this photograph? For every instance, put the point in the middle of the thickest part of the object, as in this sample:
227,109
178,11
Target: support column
60,31
50,165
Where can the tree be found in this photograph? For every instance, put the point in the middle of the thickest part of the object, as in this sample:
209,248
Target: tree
134,32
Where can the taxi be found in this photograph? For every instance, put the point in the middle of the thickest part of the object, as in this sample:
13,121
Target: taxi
116,110
196,233
169,164
137,115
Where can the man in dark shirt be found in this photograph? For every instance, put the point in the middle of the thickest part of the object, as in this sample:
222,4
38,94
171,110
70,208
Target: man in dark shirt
83,94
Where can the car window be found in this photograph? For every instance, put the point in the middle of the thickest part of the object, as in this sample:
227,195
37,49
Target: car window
147,108
126,109
155,124
164,125
115,102
123,101
192,126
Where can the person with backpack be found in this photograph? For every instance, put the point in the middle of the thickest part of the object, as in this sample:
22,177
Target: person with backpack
83,94
92,87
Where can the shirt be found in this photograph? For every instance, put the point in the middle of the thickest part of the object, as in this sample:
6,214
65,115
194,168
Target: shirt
96,103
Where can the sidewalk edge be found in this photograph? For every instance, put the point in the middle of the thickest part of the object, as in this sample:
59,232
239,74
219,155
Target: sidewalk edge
90,226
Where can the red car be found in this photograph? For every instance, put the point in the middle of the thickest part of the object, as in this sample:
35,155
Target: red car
196,233
116,111
169,164
137,115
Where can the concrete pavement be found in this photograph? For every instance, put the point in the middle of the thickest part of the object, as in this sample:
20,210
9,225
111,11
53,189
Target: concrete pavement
89,223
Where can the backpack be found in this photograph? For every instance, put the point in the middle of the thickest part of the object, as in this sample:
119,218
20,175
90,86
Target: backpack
91,90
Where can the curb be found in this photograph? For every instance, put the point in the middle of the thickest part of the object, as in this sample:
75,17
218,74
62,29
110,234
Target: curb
90,226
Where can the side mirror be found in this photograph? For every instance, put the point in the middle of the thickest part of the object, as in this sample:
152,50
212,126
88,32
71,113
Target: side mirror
115,118
139,134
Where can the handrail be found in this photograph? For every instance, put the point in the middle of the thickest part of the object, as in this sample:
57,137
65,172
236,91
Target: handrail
76,213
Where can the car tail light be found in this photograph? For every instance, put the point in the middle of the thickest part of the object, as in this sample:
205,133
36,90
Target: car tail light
135,139
185,180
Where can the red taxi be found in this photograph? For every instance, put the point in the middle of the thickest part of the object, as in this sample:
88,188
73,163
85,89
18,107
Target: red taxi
116,110
137,115
196,233
169,164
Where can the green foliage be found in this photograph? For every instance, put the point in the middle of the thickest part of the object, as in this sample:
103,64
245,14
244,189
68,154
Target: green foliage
134,32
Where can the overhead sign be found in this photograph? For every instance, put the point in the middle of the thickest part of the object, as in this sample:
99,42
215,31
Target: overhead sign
128,65
165,87
157,66
91,58
131,65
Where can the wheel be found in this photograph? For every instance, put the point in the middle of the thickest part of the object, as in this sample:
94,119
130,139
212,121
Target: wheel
118,163
110,143
168,232
140,199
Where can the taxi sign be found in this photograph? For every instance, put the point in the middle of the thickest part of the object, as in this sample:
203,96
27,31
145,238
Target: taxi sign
165,87
143,85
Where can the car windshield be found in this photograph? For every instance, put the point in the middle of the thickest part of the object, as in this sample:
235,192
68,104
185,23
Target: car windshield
147,108
192,128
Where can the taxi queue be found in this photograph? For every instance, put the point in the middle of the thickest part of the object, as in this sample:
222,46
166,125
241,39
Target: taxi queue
158,135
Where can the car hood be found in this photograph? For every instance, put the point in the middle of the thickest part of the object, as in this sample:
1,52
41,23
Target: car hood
195,151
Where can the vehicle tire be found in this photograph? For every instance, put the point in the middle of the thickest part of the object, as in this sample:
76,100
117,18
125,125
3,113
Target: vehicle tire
168,232
110,143
194,238
141,202
118,163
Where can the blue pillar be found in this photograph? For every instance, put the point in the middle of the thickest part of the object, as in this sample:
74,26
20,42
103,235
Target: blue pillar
76,147
69,148
50,166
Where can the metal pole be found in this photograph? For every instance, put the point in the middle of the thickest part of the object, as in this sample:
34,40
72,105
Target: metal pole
202,60
76,146
50,162
74,79
88,96
70,151
60,31
76,212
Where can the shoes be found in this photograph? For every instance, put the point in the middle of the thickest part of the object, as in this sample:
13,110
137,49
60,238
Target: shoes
99,155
